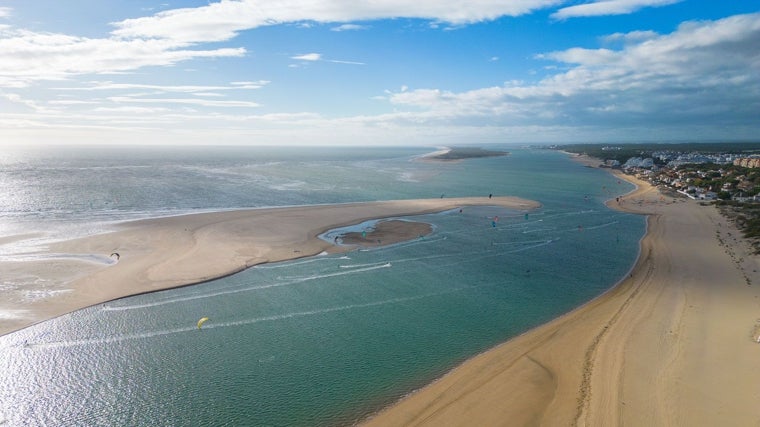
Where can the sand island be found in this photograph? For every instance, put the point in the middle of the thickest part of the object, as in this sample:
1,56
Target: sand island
455,154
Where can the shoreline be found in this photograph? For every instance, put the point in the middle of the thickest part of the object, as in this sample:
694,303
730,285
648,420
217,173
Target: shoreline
671,344
168,252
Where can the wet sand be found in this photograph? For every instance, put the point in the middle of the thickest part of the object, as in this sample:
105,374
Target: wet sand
168,252
386,233
675,343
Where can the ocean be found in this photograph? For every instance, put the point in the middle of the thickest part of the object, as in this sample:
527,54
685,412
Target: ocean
319,341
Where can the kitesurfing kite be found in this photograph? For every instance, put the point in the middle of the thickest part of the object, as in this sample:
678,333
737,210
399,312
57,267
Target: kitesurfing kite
202,321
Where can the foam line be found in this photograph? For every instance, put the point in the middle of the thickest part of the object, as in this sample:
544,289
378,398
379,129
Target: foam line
409,243
327,310
292,263
492,254
374,264
248,289
108,340
423,258
538,230
594,227
522,243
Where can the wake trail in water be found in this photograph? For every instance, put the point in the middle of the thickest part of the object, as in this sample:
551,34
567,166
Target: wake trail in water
373,264
247,289
594,227
524,242
109,340
582,227
413,259
415,242
243,287
538,230
570,213
423,258
493,254
290,264
152,334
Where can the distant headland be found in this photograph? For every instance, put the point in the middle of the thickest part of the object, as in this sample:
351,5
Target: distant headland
461,153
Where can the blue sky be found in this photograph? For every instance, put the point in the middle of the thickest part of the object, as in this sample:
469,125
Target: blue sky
378,72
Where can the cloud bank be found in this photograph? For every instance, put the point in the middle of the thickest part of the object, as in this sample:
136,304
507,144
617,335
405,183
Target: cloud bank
703,71
702,74
222,21
609,7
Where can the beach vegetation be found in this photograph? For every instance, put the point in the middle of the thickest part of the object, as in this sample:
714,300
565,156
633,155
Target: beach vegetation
460,153
746,217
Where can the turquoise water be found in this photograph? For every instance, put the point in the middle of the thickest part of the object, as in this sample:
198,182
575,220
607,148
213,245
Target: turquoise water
317,341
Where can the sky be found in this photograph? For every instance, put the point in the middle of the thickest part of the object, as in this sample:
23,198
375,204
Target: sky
378,72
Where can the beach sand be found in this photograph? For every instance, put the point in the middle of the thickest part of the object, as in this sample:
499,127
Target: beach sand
167,252
675,343
387,232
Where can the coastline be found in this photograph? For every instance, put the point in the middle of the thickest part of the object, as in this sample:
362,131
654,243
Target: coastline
674,343
168,252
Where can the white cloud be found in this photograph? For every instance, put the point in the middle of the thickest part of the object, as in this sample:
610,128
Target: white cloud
208,94
608,7
132,110
337,61
630,37
313,57
223,20
250,84
27,56
72,102
349,27
189,101
94,86
169,37
18,99
704,73
308,57
5,12
577,55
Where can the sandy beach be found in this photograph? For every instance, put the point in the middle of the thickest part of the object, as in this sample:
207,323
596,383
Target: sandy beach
675,343
167,252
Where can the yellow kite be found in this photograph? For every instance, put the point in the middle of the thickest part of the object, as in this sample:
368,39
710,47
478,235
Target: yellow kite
202,321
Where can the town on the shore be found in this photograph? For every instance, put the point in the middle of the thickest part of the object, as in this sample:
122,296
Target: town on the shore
724,174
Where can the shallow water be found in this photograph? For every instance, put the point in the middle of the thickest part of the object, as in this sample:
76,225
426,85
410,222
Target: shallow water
317,341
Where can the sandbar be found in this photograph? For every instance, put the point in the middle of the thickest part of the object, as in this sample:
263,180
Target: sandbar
457,154
387,232
167,252
674,343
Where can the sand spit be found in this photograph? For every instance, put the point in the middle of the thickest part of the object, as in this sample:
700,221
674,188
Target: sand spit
168,252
